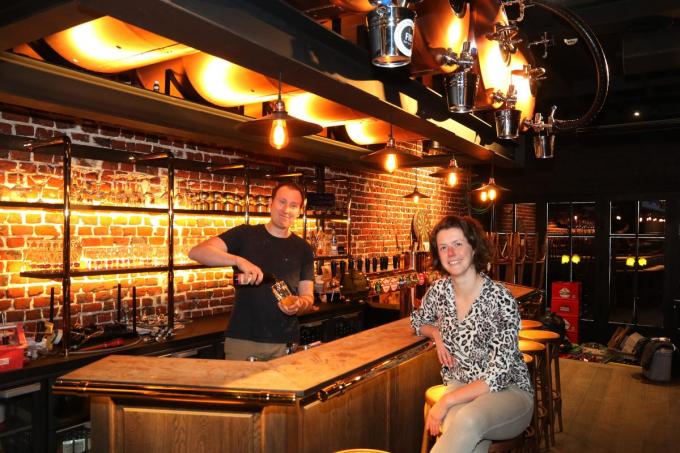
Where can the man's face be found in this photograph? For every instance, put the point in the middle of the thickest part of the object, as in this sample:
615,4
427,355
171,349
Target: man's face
285,207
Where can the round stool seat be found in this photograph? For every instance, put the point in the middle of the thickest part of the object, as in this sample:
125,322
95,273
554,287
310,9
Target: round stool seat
530,346
538,335
530,324
433,394
361,450
527,358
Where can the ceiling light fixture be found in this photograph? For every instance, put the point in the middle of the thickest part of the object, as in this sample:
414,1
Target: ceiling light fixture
450,173
279,125
489,191
390,157
416,195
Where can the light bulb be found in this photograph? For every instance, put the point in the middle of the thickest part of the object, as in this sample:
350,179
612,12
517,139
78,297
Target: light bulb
565,259
483,195
416,199
492,194
575,259
630,261
391,162
278,137
452,179
642,262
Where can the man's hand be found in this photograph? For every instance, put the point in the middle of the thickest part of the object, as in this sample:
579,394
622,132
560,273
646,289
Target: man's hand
252,275
290,305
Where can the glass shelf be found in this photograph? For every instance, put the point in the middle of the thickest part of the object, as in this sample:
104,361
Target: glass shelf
87,207
31,205
52,275
213,212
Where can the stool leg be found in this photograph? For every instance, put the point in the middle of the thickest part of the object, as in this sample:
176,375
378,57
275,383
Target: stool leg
558,390
549,386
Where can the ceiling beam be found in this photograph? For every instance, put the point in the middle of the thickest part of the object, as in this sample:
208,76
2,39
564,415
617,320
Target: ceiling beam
42,86
24,21
271,37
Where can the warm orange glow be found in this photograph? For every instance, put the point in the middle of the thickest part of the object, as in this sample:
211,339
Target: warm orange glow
109,45
440,28
483,196
371,131
492,194
315,109
156,72
390,163
496,72
452,179
25,49
278,137
226,84
416,198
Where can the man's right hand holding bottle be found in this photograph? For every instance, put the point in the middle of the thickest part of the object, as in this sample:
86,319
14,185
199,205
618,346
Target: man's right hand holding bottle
252,274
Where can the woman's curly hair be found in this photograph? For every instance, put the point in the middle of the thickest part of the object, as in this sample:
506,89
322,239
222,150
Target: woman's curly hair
475,235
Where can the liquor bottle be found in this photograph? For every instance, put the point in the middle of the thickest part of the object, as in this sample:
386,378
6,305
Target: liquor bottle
334,243
240,279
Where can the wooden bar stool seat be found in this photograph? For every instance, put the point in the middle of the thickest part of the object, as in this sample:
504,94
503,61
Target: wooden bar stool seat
526,324
552,341
433,394
362,450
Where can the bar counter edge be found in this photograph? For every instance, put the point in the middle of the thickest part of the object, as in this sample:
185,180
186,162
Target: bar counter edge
361,391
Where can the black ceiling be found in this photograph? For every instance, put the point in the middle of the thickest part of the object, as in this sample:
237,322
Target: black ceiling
642,43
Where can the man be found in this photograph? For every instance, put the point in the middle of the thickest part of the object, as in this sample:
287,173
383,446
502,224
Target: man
259,326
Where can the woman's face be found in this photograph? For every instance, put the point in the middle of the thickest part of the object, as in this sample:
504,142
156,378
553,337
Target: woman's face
455,252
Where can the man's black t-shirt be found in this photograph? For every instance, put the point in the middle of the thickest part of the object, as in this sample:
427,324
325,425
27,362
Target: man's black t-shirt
256,315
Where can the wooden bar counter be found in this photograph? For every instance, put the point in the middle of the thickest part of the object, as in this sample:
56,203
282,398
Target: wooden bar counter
365,390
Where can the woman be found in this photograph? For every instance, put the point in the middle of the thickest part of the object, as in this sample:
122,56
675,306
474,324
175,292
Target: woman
474,323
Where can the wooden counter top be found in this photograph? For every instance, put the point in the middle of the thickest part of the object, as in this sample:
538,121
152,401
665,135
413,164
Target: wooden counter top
325,368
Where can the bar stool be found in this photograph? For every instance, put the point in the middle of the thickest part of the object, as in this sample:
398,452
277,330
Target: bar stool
538,370
361,450
433,394
552,341
526,324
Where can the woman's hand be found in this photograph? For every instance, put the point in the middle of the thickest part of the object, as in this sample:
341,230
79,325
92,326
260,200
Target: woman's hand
435,417
443,354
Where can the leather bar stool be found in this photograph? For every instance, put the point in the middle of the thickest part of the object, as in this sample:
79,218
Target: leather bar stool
538,369
552,341
526,324
362,450
433,394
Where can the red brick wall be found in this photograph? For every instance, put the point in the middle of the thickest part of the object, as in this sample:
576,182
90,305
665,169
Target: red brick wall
379,214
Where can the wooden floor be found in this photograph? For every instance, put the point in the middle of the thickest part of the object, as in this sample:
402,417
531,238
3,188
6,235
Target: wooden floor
611,408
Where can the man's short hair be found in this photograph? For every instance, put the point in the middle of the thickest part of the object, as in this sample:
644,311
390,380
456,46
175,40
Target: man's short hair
291,185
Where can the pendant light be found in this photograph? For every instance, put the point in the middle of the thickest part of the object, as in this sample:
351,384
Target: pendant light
489,191
279,125
390,157
450,173
416,195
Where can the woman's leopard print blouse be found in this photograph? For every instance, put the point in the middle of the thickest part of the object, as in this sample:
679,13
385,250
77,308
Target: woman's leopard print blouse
484,344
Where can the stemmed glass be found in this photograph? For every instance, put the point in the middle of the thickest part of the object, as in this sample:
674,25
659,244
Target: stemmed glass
8,186
40,180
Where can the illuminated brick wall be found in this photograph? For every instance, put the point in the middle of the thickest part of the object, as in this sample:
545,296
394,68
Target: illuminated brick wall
380,217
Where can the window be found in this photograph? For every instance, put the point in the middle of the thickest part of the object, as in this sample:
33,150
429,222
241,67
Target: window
571,249
636,269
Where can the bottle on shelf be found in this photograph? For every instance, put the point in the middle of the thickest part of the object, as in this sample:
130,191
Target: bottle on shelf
334,243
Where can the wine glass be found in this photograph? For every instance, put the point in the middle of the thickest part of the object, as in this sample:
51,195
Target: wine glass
40,180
